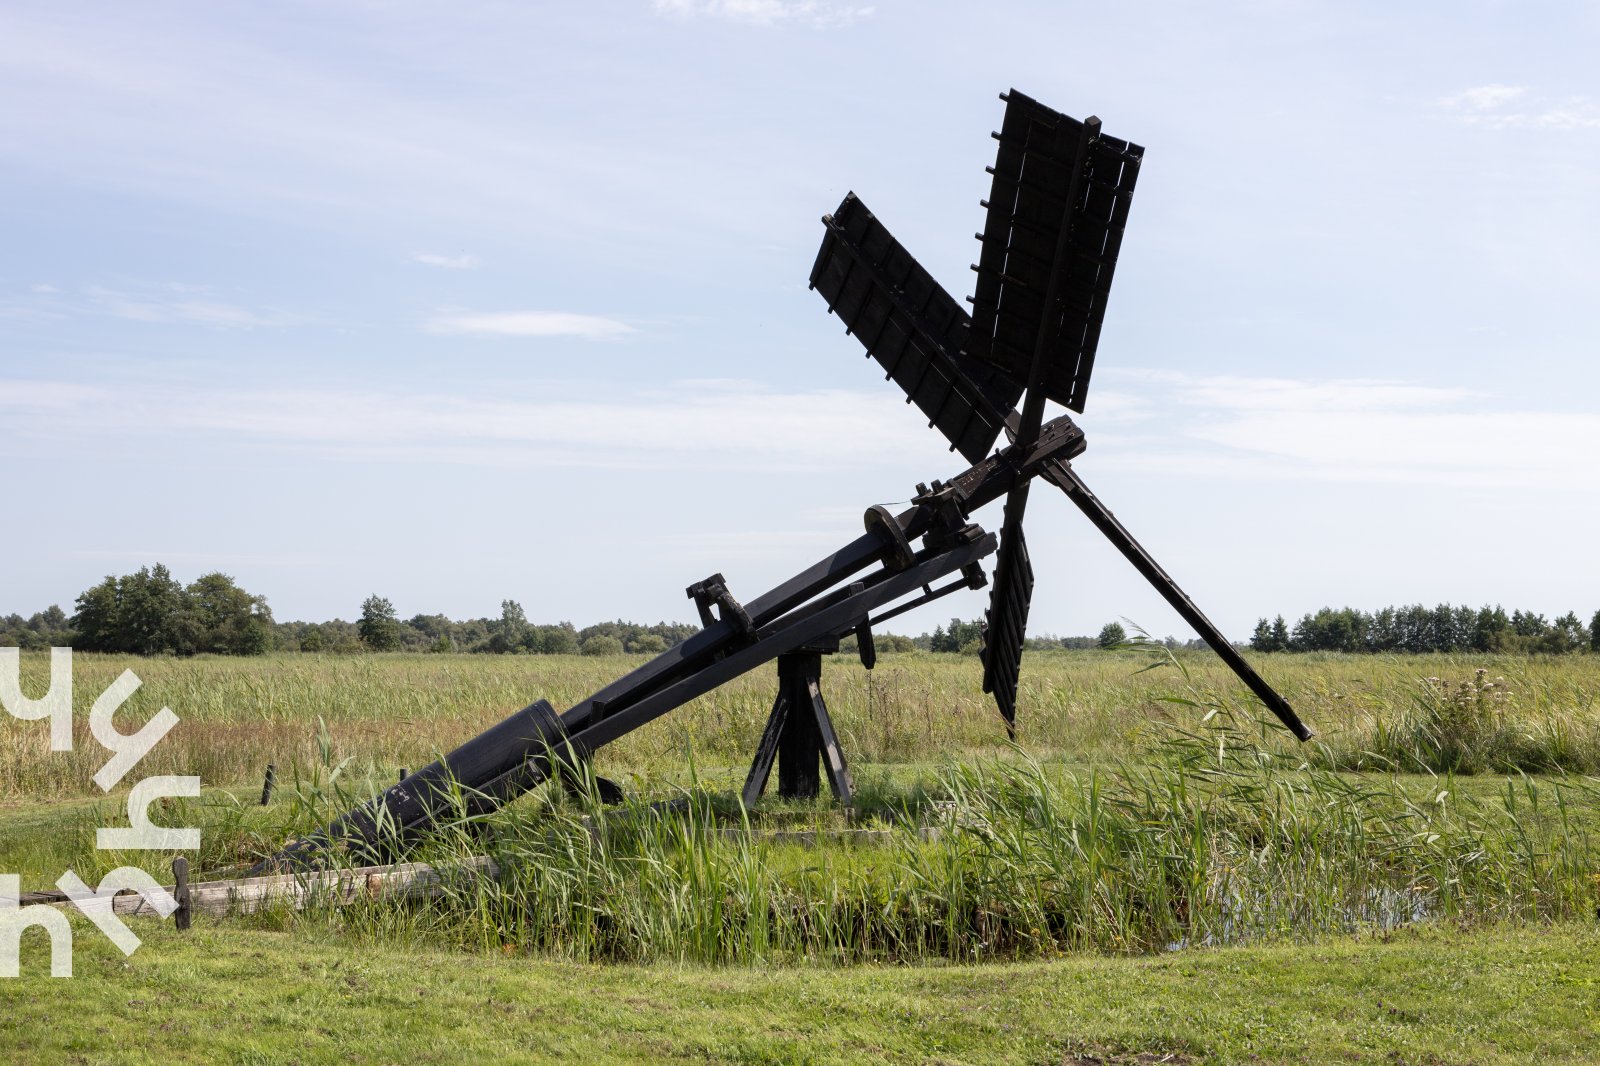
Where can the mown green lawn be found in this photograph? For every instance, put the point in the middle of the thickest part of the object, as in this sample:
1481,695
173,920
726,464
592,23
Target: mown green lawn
225,994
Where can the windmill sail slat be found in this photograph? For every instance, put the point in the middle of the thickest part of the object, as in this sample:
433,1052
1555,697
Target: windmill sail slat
1026,210
912,327
1007,618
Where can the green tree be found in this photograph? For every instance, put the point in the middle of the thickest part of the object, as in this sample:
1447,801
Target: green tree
511,633
312,639
96,617
1280,634
648,644
1384,632
430,628
601,644
1491,629
557,640
1594,633
1111,635
958,636
379,626
1529,624
1566,634
225,618
963,633
148,607
1261,639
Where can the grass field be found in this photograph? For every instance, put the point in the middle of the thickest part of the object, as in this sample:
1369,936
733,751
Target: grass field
1435,995
239,714
1444,824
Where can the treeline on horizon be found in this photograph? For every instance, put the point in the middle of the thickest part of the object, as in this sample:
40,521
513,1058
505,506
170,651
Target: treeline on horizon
149,612
1417,629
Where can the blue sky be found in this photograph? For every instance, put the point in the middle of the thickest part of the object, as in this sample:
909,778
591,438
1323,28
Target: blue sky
462,302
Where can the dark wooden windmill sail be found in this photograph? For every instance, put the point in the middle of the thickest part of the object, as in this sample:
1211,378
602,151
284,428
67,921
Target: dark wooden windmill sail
1058,204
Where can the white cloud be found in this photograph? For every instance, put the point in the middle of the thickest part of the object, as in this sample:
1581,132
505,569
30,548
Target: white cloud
527,324
1374,431
1294,394
43,289
1484,97
159,307
47,396
1379,432
1577,113
731,428
448,262
816,13
1488,106
168,106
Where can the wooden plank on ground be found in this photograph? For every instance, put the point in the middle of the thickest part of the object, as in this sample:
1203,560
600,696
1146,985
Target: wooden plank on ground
334,887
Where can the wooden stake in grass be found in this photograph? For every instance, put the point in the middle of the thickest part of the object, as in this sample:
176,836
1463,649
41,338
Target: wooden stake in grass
267,785
180,891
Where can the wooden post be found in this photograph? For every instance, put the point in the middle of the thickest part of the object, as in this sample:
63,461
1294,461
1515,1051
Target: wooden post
800,741
799,734
403,773
267,785
180,890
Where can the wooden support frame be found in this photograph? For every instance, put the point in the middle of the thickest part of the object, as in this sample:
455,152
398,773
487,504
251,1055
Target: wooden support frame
799,735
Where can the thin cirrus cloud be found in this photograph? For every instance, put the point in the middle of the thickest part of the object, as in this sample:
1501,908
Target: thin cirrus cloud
1223,391
1369,431
1345,430
643,430
818,14
179,303
445,262
1484,97
527,324
1497,106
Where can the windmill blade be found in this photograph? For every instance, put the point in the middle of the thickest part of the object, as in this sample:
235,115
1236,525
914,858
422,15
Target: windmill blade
1057,208
1064,477
912,327
1006,621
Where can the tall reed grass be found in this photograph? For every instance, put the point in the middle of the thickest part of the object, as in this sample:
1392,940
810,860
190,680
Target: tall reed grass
1213,838
1141,811
1371,712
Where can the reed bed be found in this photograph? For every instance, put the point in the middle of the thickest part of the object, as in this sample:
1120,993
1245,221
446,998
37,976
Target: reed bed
1215,838
1144,808
237,715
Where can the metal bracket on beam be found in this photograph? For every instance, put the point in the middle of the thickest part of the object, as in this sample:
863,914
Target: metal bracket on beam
947,503
714,591
950,527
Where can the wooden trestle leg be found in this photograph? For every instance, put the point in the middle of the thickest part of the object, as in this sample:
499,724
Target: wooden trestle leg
799,736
